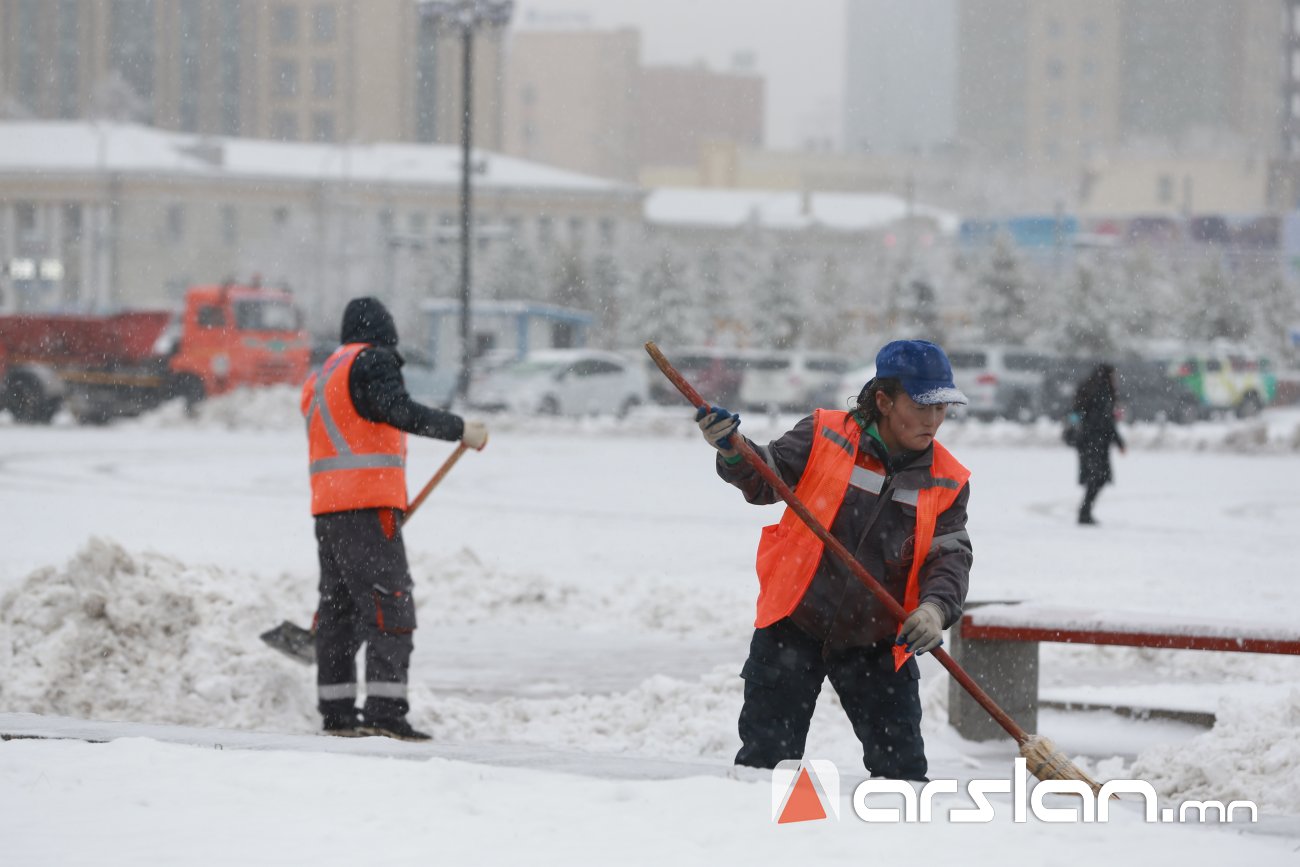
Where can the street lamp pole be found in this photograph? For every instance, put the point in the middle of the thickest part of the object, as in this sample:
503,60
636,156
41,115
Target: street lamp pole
468,16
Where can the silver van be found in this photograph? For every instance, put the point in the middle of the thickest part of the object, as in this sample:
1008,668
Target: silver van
1002,381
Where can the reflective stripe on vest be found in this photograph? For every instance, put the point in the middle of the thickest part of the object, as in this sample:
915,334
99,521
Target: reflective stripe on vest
354,463
789,553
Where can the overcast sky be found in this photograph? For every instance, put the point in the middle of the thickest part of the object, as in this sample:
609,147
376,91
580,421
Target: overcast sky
798,47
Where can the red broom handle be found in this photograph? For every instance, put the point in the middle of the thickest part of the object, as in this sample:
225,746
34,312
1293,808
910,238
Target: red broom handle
836,547
433,482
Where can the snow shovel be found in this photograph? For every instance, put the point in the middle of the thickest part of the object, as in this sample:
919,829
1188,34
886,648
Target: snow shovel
1042,757
300,644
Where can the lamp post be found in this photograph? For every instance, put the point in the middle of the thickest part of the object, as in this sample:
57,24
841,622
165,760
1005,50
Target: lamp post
468,17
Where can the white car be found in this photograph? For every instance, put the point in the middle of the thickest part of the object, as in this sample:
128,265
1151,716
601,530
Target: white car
1001,381
790,381
564,382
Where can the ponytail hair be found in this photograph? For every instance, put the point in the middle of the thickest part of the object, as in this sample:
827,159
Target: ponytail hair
865,410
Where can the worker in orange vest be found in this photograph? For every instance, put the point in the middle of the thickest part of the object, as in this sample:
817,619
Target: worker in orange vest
358,415
879,481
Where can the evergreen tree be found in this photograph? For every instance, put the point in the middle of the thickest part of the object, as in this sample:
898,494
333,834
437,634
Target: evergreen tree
1218,309
662,310
607,288
569,283
1001,297
1088,326
778,319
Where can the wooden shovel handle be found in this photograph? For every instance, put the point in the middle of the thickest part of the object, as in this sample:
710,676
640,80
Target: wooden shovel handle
433,482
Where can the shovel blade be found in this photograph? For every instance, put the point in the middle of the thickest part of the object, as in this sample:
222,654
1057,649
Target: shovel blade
293,641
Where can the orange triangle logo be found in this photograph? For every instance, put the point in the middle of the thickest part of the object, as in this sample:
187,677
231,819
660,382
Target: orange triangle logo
804,804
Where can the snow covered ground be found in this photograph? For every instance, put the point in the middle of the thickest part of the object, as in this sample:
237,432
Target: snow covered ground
585,593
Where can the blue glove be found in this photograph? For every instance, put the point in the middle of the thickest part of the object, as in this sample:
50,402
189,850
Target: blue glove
718,424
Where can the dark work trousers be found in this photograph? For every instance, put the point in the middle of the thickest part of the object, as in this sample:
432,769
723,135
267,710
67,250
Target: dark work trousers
783,677
365,598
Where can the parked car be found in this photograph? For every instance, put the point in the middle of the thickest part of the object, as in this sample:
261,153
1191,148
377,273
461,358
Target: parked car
1227,378
843,392
1001,381
1146,390
564,382
715,373
789,381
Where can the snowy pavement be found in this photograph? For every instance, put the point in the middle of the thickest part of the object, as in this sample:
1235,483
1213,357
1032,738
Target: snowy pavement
586,591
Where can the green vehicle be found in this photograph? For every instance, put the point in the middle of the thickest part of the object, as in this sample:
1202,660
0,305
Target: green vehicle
1239,382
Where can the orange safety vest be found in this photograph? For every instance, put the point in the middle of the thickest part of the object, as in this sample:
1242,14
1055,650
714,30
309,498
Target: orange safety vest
355,463
789,552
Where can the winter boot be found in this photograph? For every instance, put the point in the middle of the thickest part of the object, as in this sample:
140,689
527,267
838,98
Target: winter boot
396,727
343,726
1085,516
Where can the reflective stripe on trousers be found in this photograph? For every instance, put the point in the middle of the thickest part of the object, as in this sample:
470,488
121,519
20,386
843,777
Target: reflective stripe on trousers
377,689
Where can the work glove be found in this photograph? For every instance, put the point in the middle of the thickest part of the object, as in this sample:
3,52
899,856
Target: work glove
923,629
717,425
475,435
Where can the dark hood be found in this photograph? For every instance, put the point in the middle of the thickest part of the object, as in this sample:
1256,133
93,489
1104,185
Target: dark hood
367,320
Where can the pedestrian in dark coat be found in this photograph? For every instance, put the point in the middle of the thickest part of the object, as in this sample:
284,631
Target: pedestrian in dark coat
1094,419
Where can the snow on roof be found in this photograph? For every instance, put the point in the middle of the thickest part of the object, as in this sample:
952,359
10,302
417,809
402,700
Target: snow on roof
785,209
64,146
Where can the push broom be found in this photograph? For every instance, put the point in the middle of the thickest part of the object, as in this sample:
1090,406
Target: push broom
300,644
1042,758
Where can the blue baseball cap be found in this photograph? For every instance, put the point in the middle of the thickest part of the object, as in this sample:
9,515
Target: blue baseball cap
923,369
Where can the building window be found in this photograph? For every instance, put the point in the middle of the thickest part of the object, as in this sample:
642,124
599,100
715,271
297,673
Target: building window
1087,110
1091,27
72,222
285,26
229,225
1055,68
418,222
322,79
284,126
577,230
608,232
280,217
191,49
285,78
132,47
324,24
322,126
1054,27
1089,68
69,59
25,216
229,66
426,80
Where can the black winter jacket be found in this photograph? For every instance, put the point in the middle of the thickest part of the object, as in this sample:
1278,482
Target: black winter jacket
376,386
837,608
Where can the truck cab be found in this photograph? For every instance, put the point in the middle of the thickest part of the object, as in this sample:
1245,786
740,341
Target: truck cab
231,336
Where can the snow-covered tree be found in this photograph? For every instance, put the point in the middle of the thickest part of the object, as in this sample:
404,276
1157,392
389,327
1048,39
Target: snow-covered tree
778,314
662,310
1002,297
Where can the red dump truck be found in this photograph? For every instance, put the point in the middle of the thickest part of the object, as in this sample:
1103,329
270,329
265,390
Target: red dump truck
225,337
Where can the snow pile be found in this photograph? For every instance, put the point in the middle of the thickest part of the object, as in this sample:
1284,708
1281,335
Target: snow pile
146,639
1252,753
462,589
273,407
